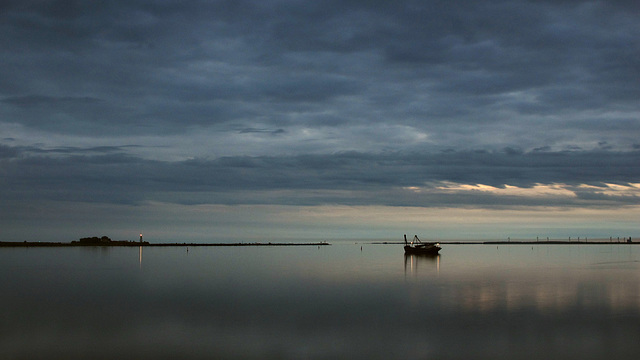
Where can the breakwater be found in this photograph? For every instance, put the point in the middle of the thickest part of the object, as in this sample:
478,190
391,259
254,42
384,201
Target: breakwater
145,244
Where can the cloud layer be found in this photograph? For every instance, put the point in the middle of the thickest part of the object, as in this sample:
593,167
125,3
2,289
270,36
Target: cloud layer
488,74
409,103
108,174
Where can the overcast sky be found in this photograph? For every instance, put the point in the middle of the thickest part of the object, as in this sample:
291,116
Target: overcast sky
225,119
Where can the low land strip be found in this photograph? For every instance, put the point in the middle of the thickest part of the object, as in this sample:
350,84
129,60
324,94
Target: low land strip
145,244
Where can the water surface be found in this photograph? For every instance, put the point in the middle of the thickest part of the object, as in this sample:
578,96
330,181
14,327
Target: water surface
345,301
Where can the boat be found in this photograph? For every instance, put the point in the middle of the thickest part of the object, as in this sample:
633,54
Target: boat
418,247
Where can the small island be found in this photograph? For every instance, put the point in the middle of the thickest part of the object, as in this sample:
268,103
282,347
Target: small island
106,241
86,241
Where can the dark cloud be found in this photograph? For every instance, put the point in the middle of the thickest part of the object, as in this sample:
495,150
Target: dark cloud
35,100
262,131
73,150
161,67
8,152
108,174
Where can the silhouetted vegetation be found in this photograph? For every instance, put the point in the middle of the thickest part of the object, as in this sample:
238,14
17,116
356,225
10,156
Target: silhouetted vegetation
95,240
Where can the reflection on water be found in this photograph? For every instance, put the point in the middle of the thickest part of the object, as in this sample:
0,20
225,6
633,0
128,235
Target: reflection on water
412,261
337,302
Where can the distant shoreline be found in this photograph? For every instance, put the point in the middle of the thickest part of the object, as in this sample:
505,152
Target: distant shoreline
323,243
144,244
545,242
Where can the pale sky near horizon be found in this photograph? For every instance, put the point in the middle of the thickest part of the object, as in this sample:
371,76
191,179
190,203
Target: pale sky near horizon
229,120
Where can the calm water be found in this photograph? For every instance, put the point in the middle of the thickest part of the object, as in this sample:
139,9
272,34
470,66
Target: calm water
333,302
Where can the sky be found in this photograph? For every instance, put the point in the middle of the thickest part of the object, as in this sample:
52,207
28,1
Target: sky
236,120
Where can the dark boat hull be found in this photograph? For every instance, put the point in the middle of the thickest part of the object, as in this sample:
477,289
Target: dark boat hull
429,249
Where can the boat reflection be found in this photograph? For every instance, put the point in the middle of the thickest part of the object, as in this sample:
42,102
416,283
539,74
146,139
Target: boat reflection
424,261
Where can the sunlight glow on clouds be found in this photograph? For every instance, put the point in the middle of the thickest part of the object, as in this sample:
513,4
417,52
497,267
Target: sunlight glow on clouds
631,191
508,190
